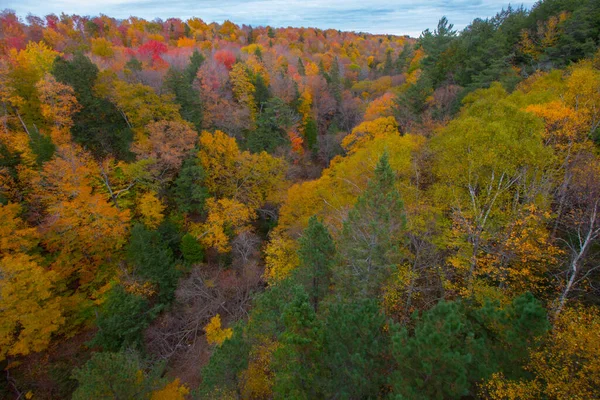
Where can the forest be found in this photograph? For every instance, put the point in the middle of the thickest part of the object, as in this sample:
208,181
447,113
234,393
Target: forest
194,210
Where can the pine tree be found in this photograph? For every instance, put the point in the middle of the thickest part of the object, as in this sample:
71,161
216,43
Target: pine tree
317,256
372,234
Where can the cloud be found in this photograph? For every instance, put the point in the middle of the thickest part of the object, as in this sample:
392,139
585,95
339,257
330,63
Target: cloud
375,16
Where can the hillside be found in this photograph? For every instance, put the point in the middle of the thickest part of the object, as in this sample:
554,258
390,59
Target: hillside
214,211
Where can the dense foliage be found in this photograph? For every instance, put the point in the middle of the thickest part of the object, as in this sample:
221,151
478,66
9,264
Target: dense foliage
213,211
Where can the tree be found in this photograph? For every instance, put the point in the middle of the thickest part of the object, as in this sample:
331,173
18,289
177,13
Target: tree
453,347
30,311
372,234
97,126
354,349
297,362
188,189
122,375
214,333
180,83
192,251
566,367
122,319
167,142
153,261
317,256
151,210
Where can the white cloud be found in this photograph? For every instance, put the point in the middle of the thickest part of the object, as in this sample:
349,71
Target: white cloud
376,16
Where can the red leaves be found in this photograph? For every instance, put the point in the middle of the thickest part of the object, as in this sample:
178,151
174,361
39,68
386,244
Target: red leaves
225,57
153,49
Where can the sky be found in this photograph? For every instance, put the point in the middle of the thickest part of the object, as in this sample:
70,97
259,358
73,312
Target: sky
398,17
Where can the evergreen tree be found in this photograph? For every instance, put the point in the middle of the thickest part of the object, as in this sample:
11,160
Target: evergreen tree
355,348
192,251
301,69
98,126
180,83
372,234
122,375
153,260
317,256
188,190
122,319
297,363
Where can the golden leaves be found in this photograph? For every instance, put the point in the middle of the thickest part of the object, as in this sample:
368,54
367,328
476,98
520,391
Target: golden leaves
215,334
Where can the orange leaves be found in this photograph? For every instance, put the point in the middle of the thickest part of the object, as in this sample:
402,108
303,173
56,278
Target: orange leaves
380,107
80,225
168,142
564,126
15,235
215,334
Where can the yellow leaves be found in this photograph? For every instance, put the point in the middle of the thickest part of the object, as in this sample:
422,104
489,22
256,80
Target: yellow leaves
102,47
281,257
251,179
151,210
215,334
369,130
15,235
242,87
58,104
225,218
257,379
173,391
566,367
218,155
29,313
252,48
305,107
36,57
311,69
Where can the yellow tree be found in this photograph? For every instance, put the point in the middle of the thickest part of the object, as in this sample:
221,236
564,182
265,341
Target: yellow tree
215,334
58,104
30,312
483,159
243,88
369,130
226,217
151,210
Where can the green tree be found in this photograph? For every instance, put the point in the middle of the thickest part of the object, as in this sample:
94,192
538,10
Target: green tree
180,83
372,234
122,319
297,362
153,260
98,126
454,347
191,249
354,350
188,190
122,375
317,255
